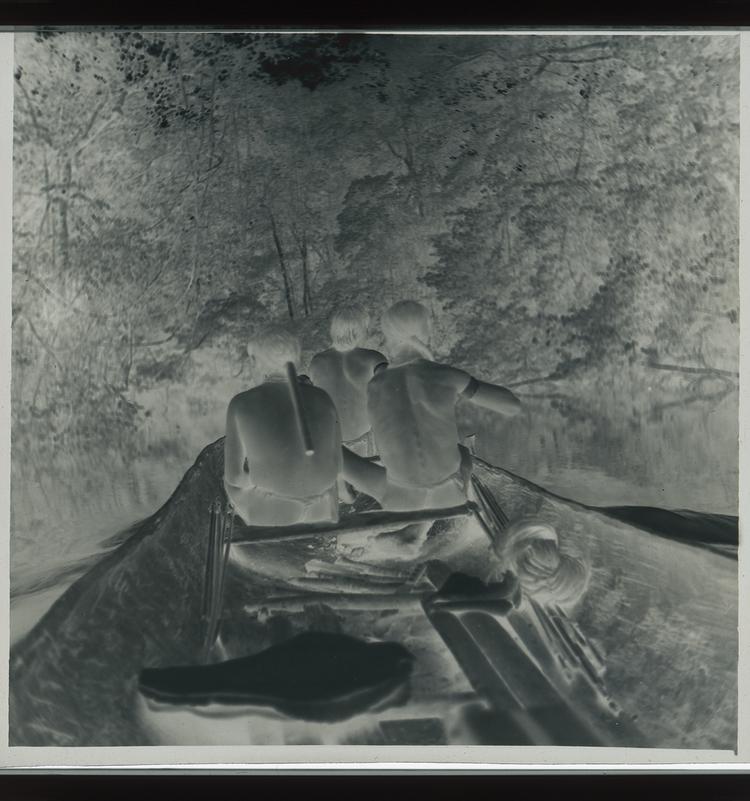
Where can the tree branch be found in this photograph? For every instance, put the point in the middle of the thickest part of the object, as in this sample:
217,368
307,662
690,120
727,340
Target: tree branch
676,368
154,342
551,377
580,60
576,48
545,396
394,151
90,134
459,62
45,135
97,111
48,350
582,141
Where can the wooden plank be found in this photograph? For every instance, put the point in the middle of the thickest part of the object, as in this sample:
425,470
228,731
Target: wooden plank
485,680
526,682
341,601
370,522
502,674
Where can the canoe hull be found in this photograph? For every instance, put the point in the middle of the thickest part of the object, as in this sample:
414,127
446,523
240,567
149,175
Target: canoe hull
662,613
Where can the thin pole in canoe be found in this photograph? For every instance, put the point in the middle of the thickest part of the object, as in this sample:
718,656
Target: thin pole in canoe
489,513
221,525
226,544
209,571
299,412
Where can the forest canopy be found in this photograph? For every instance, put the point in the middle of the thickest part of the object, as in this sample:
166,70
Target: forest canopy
561,203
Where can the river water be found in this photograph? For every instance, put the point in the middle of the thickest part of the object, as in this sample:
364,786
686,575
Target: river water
648,449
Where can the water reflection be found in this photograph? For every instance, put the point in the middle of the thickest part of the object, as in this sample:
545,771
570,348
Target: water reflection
683,456
608,450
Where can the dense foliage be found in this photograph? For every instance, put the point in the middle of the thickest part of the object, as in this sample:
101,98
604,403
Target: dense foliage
561,203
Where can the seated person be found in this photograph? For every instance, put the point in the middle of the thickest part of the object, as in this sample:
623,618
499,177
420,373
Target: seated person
412,409
268,476
344,370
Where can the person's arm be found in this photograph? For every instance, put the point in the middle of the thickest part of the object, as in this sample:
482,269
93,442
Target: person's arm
235,455
314,372
491,396
363,474
345,493
481,393
379,362
340,448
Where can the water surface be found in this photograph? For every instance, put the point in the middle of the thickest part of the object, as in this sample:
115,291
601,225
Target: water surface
65,505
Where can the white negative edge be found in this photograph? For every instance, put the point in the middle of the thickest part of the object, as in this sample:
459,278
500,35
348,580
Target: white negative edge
595,760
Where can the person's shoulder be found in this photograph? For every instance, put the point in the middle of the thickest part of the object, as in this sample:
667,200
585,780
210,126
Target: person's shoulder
447,372
372,355
318,393
385,374
242,399
371,359
245,393
321,364
323,356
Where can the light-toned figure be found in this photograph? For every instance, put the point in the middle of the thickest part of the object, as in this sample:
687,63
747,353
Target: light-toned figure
268,475
412,411
530,549
344,371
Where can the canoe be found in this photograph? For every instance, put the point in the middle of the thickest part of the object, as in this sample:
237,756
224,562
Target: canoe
660,611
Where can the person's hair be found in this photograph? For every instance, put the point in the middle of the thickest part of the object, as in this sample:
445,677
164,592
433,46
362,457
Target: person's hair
548,575
349,327
408,323
273,348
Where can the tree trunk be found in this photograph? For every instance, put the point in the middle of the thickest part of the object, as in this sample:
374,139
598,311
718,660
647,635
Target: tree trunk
63,217
407,159
306,293
128,363
288,294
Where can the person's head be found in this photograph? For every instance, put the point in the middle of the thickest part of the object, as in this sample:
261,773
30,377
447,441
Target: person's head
349,327
272,348
547,574
407,325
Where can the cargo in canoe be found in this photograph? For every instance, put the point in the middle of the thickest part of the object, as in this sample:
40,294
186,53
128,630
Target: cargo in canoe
659,618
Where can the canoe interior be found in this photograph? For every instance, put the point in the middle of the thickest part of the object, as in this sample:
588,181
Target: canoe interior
662,613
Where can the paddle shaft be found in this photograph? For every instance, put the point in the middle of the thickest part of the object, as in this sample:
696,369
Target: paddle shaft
361,601
299,412
366,522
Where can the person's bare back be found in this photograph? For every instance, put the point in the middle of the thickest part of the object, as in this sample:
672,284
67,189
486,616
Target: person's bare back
344,376
263,418
344,370
412,412
272,475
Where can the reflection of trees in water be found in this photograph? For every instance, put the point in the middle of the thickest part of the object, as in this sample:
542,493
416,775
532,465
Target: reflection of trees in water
642,437
63,505
661,441
699,394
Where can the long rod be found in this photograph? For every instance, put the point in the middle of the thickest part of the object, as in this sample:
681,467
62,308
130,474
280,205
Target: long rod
216,569
340,600
370,522
208,575
226,547
299,412
491,502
